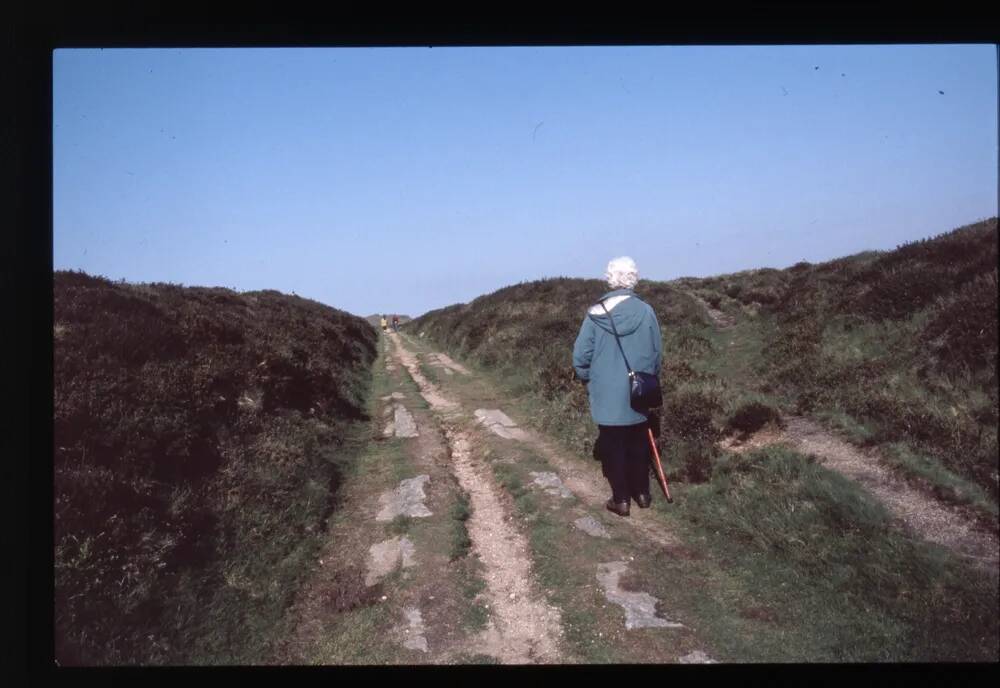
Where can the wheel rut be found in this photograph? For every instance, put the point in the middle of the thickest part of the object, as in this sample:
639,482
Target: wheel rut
523,628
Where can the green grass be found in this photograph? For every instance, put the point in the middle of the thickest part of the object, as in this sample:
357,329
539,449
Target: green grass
822,554
460,542
400,525
858,433
431,373
946,485
735,355
566,570
402,382
360,635
510,477
474,613
916,466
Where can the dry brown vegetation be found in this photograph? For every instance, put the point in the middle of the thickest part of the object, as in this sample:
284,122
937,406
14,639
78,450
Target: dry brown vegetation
199,439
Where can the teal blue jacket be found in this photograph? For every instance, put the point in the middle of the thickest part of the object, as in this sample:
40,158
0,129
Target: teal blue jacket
598,361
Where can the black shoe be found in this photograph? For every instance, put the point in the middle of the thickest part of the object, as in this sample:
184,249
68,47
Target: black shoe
620,508
644,500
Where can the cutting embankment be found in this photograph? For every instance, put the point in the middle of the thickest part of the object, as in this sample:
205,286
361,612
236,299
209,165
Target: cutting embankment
200,440
236,483
830,429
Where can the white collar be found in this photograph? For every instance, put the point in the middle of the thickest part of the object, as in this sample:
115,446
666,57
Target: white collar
609,304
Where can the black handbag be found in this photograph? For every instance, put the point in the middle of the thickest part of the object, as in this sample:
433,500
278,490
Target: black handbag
644,388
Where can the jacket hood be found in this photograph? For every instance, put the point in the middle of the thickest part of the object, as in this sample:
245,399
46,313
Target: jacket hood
627,312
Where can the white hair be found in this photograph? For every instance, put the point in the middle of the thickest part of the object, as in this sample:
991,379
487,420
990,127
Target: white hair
622,273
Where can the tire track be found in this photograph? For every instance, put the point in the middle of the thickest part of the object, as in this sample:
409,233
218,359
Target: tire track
524,628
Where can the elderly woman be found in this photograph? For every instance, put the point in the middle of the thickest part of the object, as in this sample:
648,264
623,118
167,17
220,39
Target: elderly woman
623,443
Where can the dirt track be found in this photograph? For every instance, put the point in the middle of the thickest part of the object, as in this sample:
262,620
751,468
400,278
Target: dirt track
524,628
916,511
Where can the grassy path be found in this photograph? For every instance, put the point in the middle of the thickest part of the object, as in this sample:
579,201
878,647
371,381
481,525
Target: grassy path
395,583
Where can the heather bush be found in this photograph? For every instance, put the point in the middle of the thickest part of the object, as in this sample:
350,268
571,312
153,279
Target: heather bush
751,416
763,295
197,432
688,461
690,414
962,331
733,289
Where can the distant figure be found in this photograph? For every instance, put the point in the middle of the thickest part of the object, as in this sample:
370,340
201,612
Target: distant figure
385,324
622,442
395,323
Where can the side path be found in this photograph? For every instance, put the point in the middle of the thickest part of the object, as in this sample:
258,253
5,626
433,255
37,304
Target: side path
917,511
920,512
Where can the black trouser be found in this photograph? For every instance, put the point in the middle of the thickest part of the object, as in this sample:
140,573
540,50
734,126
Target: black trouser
625,455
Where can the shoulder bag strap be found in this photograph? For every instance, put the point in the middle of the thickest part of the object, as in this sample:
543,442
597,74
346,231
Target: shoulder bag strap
617,340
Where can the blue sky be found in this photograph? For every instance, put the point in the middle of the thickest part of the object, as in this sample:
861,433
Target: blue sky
407,179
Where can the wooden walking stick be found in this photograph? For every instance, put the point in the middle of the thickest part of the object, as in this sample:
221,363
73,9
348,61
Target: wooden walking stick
659,469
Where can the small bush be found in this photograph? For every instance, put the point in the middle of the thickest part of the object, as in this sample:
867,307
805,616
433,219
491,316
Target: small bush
750,417
714,299
762,295
688,461
688,415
